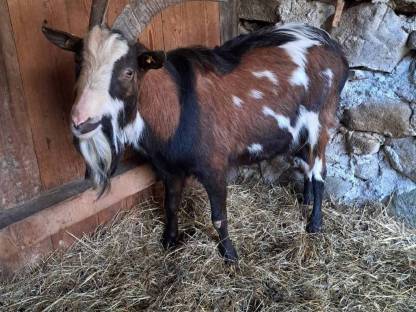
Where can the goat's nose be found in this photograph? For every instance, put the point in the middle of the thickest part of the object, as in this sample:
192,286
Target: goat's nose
77,118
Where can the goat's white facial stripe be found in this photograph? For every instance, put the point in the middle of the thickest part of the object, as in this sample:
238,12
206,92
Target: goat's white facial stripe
328,75
102,50
256,94
237,101
267,74
297,50
255,148
305,119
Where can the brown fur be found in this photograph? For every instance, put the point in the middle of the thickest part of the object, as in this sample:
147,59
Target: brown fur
232,128
160,110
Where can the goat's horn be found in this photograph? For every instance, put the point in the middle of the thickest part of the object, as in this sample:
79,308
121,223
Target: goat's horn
98,13
138,14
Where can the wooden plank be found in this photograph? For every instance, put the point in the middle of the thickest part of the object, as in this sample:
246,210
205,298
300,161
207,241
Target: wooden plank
19,170
152,36
48,81
21,236
53,197
192,23
172,27
338,13
212,24
229,19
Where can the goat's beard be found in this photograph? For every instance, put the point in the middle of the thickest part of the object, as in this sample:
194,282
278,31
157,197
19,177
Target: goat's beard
102,155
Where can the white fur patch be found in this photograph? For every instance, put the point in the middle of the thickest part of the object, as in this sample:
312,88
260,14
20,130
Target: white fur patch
305,119
282,121
328,75
317,169
132,133
255,148
256,94
267,74
298,50
237,101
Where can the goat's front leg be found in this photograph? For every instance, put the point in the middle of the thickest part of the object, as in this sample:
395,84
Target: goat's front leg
173,195
216,187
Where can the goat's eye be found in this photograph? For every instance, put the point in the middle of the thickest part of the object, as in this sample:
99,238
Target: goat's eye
128,74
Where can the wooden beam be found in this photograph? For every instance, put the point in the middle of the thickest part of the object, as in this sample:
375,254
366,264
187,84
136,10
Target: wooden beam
338,13
26,241
229,19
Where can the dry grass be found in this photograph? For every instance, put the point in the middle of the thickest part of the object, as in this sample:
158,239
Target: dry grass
365,261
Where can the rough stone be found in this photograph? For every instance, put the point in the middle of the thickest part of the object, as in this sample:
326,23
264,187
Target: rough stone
358,74
338,188
390,118
366,167
372,36
411,41
369,86
402,155
403,80
413,118
363,143
312,12
403,206
259,10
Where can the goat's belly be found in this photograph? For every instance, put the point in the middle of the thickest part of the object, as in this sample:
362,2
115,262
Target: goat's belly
265,148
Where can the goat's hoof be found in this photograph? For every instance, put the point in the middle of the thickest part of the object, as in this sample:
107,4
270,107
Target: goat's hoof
313,227
229,254
169,242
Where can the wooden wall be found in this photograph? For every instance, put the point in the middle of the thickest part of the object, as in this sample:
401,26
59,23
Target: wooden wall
37,79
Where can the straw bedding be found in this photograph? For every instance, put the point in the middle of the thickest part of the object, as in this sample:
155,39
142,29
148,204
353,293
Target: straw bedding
364,261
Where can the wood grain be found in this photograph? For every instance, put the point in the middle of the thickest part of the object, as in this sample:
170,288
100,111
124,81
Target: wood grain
19,172
152,36
194,23
48,81
229,19
19,238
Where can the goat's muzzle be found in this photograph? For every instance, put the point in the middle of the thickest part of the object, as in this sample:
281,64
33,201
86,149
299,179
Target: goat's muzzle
86,128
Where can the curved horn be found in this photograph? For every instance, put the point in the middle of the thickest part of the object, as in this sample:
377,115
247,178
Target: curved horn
98,13
138,14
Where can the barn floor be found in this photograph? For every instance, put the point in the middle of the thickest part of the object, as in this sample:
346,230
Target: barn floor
365,261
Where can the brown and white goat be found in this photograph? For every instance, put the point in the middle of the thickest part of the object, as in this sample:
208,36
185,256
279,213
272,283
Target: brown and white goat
198,111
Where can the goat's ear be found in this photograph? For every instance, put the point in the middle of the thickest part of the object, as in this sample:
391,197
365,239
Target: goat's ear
151,59
63,39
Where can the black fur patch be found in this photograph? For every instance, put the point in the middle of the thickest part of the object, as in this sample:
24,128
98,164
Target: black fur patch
178,155
227,57
120,89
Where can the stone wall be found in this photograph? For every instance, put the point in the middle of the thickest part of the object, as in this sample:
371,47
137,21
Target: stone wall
372,155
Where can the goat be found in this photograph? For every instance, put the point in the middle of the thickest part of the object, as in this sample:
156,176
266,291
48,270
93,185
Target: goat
198,111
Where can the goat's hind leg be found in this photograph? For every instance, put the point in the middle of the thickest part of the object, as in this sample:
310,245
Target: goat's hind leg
318,174
304,158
